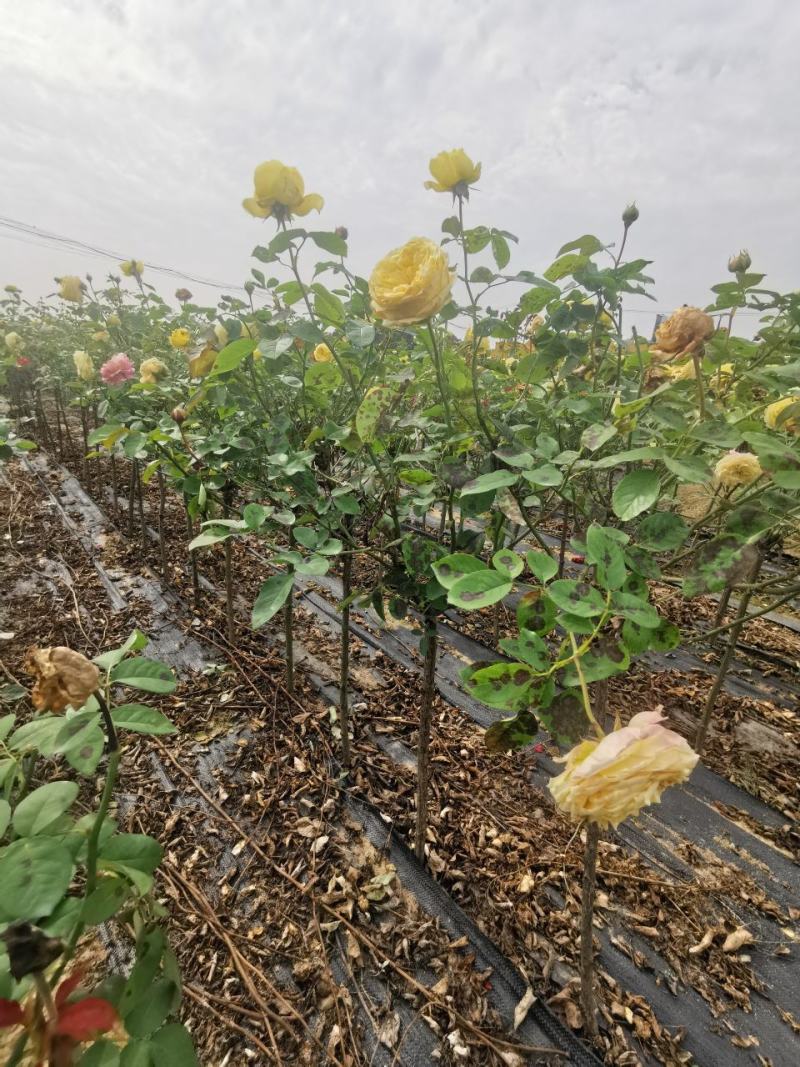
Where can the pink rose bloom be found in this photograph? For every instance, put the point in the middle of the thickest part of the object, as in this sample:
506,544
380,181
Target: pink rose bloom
117,370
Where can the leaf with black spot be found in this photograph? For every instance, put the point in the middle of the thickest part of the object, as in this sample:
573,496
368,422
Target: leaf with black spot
506,686
508,735
536,612
565,720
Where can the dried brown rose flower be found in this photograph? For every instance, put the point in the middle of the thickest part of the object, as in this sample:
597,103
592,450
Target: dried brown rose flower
681,334
63,677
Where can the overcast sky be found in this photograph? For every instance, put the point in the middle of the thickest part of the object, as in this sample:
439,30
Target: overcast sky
135,125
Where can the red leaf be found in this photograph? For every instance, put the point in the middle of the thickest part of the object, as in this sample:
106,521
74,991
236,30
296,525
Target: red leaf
68,986
10,1013
85,1018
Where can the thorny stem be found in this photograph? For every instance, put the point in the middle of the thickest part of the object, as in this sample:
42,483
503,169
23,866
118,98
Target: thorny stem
437,364
344,673
588,1006
431,639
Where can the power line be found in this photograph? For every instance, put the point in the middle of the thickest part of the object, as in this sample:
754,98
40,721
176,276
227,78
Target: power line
48,239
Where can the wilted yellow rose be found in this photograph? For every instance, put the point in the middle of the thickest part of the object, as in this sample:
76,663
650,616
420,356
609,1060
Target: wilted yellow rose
13,340
180,338
63,677
113,319
412,283
70,287
681,334
322,354
773,412
453,172
737,468
605,781
150,370
132,268
83,365
200,365
221,335
280,191
101,335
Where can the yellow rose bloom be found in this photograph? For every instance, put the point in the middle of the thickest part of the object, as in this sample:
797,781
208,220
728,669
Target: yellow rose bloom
605,781
322,354
681,334
113,319
280,191
257,354
150,370
132,268
101,335
412,283
70,287
453,172
13,340
180,338
484,345
83,365
221,335
737,468
773,411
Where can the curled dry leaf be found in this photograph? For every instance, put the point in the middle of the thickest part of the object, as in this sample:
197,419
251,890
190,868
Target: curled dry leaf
740,937
704,943
522,1008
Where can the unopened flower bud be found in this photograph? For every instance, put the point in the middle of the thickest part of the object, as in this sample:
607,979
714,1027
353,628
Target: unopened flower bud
341,231
630,215
179,415
183,295
249,287
739,264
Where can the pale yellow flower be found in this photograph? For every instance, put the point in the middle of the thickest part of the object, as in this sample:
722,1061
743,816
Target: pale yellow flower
180,338
453,172
257,354
322,354
681,334
280,191
13,340
83,365
113,319
411,283
484,344
63,677
101,335
150,370
684,372
773,411
737,468
607,780
70,287
221,335
132,268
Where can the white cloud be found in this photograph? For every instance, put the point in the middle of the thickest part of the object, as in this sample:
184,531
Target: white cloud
136,125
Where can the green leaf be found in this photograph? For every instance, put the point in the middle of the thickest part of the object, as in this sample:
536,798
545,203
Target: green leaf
360,334
141,719
576,598
636,609
532,302
541,565
545,475
637,492
327,306
661,532
595,436
500,250
507,562
271,598
586,245
44,806
38,734
135,856
370,412
133,443
528,647
81,741
105,1054
105,901
605,551
509,735
486,483
506,686
565,265
450,569
137,1054
212,536
172,1047
146,674
605,657
722,561
232,355
536,612
479,590
152,1008
254,516
688,469
35,873
5,816
329,242
134,643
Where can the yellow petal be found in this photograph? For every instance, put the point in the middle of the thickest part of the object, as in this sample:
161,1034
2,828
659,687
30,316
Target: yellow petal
309,203
252,205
